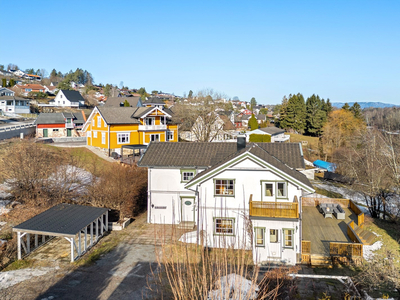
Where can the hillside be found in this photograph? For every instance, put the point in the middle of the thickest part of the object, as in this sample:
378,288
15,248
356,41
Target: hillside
365,104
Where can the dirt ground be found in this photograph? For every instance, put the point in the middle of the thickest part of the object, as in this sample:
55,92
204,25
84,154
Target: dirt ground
120,274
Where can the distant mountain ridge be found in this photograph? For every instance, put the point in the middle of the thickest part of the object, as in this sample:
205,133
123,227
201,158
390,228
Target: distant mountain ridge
365,104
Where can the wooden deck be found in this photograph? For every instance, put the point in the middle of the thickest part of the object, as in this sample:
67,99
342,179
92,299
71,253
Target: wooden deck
321,231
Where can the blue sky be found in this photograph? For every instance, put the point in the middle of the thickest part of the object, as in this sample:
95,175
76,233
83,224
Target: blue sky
342,50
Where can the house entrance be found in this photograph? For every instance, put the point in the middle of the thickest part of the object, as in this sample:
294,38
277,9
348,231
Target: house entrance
45,133
69,132
187,209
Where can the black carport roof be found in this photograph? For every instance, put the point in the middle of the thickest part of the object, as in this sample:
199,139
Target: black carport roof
61,220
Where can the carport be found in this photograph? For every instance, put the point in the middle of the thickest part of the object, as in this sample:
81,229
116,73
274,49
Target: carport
137,151
67,221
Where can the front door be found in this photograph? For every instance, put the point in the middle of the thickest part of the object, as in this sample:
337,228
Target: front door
187,209
45,132
68,132
273,237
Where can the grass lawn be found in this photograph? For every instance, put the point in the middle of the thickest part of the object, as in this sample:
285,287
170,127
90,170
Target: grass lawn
310,149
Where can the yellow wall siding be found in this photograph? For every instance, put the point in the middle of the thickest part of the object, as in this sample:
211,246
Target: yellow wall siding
103,128
132,129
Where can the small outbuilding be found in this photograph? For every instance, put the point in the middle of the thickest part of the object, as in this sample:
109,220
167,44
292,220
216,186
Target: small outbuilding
67,221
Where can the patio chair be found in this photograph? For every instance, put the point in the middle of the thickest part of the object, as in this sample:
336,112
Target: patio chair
339,213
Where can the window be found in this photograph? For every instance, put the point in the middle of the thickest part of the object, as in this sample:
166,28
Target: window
170,135
288,238
63,102
154,137
223,226
162,120
89,133
98,121
281,189
55,130
259,236
269,189
60,96
149,121
224,187
273,235
9,102
103,137
187,175
93,122
123,138
95,134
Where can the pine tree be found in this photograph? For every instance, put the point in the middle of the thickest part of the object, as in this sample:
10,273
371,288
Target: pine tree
315,115
346,106
357,111
4,82
296,113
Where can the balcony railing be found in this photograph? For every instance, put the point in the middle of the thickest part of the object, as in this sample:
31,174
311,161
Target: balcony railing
274,209
69,125
152,127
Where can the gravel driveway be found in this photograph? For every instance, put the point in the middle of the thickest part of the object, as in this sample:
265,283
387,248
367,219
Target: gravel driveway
120,274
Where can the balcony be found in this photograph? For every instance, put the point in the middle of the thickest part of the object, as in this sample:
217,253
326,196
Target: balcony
69,125
152,127
274,209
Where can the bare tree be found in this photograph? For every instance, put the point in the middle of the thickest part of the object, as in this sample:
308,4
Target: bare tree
199,114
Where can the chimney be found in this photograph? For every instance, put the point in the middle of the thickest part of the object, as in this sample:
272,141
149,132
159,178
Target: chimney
121,104
241,142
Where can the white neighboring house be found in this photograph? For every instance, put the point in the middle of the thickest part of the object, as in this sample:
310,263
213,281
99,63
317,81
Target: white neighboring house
221,130
11,104
67,98
277,135
221,186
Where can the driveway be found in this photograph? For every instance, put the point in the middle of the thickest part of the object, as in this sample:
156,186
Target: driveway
121,274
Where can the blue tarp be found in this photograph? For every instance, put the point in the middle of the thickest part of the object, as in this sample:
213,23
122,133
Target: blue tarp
325,165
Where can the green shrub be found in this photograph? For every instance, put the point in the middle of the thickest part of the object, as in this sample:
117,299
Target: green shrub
260,138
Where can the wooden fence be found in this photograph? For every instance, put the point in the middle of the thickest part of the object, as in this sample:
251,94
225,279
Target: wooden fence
349,250
274,209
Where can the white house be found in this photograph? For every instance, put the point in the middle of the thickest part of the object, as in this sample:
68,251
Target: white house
277,135
231,191
11,104
67,98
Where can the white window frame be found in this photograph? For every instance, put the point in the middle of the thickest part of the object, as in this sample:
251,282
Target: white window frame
95,134
265,189
93,122
121,136
227,186
222,230
285,241
285,189
168,135
103,137
89,134
98,121
153,121
151,137
185,175
260,230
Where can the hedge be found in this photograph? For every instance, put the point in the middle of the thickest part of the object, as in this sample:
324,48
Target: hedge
260,138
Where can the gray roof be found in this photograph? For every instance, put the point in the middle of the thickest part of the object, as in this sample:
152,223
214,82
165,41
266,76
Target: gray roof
116,101
141,111
50,118
73,96
62,220
207,154
118,115
57,118
272,130
13,98
264,155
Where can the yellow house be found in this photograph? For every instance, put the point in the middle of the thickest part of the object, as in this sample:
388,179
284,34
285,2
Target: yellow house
110,128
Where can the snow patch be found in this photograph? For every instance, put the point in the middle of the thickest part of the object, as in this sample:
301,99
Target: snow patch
234,287
368,251
11,278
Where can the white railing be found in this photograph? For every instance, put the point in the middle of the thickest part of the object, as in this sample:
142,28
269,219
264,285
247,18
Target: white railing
152,127
16,127
69,125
